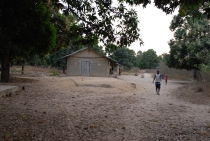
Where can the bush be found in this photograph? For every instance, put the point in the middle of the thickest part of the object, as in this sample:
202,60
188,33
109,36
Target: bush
54,73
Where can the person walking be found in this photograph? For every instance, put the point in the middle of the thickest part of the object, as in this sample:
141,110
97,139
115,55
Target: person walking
166,79
157,79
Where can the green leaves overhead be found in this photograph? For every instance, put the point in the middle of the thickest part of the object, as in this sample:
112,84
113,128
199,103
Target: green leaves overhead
26,29
168,6
26,25
109,21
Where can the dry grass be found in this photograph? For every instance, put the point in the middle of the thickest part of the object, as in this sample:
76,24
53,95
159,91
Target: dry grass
133,71
194,93
35,71
202,133
208,125
151,70
176,73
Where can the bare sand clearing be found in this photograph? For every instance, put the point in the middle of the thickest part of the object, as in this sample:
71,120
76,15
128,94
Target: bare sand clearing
100,109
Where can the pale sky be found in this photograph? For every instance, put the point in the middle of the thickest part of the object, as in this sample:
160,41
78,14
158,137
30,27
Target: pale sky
154,29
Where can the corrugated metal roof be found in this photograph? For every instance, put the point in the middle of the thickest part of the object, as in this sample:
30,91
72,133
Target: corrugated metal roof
93,50
72,53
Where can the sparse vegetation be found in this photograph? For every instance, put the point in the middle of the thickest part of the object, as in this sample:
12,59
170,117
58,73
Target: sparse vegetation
192,93
133,71
54,73
175,73
15,70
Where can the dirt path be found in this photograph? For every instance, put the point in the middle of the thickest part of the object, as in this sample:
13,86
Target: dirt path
96,109
170,118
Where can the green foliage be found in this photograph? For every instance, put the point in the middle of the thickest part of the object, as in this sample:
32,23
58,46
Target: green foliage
14,70
77,38
125,57
149,60
110,48
138,56
205,68
23,33
186,6
35,60
18,61
165,57
160,58
62,24
25,30
100,19
190,47
54,59
98,49
54,73
205,73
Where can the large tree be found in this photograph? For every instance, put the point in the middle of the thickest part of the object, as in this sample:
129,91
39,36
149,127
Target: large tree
110,48
125,57
25,29
190,47
165,57
149,60
138,56
111,23
62,24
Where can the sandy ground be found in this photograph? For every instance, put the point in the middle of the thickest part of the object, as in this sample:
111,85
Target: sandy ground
100,109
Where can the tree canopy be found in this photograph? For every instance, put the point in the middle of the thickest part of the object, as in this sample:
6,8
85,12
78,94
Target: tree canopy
125,57
111,23
169,6
190,47
25,25
149,60
25,29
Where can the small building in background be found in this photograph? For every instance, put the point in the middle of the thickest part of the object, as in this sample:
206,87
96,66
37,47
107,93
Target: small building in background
88,62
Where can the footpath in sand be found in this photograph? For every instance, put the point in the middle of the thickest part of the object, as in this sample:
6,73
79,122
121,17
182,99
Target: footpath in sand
174,119
100,109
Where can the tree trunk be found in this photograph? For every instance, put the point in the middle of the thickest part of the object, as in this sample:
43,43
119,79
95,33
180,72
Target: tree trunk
64,70
22,69
197,76
5,68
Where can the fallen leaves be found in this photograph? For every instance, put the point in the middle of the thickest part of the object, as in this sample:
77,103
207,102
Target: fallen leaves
92,126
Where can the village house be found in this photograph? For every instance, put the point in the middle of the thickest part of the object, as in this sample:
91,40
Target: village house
88,62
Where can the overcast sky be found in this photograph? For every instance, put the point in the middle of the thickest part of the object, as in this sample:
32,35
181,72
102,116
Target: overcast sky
154,29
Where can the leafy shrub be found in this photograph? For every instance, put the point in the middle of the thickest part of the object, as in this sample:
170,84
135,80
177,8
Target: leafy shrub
54,73
14,70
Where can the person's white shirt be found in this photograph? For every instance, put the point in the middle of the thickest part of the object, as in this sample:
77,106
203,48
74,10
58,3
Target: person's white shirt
157,77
